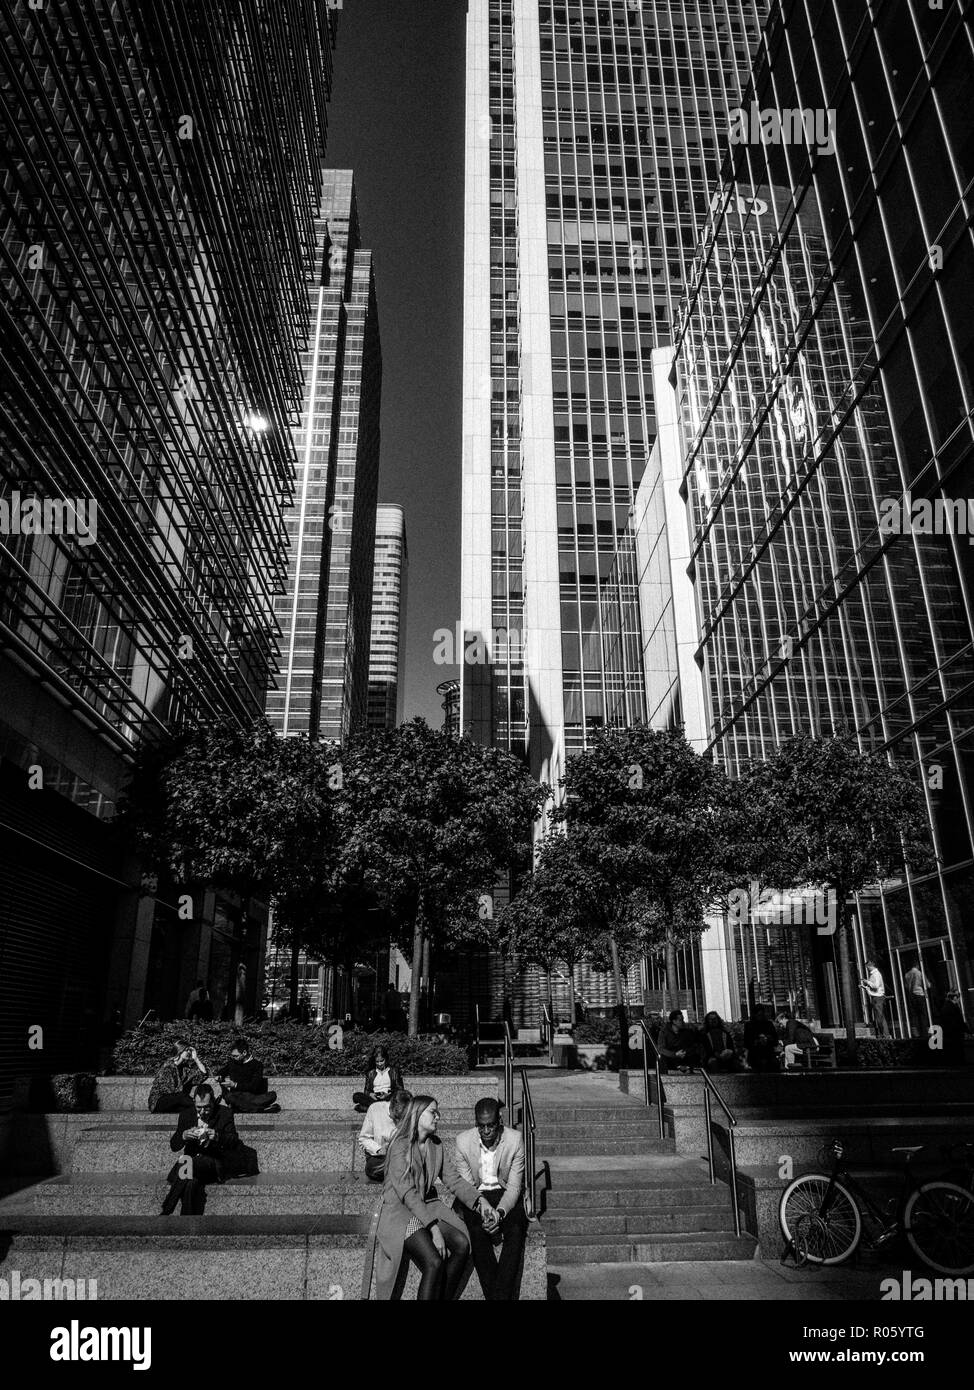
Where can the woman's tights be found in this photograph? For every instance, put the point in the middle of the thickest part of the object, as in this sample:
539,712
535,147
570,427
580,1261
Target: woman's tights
439,1278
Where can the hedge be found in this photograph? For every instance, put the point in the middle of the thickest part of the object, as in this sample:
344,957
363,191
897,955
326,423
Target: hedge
286,1049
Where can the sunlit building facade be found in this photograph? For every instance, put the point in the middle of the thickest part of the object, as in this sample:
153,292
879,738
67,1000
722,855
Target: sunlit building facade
387,653
823,375
326,612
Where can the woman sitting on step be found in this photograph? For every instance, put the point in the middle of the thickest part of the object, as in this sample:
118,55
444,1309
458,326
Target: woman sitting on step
413,1221
175,1081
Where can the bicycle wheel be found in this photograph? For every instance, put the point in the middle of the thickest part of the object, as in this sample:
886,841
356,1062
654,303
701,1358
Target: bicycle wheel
835,1233
938,1221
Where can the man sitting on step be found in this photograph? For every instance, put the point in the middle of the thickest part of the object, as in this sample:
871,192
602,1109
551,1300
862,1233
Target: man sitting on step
491,1158
244,1087
212,1152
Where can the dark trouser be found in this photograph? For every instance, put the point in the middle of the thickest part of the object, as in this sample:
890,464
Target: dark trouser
362,1100
498,1277
189,1193
171,1102
247,1103
439,1278
917,1008
877,1013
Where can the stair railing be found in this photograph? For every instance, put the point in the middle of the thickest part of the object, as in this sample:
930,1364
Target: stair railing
710,1089
530,1145
650,1046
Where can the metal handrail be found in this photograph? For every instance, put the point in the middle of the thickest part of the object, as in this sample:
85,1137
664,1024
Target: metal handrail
648,1043
709,1088
550,1030
530,1148
508,1069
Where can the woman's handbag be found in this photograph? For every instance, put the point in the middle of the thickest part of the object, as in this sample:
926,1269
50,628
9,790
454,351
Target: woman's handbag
375,1167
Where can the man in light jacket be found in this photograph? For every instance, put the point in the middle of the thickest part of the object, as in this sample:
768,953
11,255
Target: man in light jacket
491,1158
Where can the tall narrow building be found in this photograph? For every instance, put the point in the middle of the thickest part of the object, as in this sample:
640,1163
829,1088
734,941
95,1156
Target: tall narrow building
157,232
325,614
592,146
387,653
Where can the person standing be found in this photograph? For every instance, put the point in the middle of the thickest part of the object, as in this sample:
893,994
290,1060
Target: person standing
917,988
413,1222
875,988
491,1158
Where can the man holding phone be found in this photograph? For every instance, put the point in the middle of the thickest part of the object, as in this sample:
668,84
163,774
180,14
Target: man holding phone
211,1152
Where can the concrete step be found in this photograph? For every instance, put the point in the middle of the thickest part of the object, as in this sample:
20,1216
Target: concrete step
296,1258
595,1115
639,1221
642,1144
663,1248
141,1194
615,1129
292,1151
648,1195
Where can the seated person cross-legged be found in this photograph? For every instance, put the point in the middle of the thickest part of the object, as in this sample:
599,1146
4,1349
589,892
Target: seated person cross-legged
678,1044
381,1080
378,1127
211,1152
244,1085
173,1085
491,1158
796,1037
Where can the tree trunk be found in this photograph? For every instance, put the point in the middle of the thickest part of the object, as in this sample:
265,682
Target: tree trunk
847,992
292,995
413,1026
622,1017
426,996
672,979
240,1001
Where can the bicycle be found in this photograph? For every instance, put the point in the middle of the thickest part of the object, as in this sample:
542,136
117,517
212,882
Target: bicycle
821,1215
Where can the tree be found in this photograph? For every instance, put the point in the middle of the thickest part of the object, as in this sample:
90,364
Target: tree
245,810
839,820
436,820
650,816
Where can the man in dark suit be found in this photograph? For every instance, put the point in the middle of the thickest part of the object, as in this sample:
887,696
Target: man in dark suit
244,1086
491,1158
212,1152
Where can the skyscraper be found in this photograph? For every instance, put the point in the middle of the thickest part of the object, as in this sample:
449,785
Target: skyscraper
824,389
325,614
591,148
157,231
387,653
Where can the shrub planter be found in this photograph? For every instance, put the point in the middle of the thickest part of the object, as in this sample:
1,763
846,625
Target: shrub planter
592,1056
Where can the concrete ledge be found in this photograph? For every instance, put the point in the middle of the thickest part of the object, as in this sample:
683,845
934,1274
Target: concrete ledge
231,1259
313,1092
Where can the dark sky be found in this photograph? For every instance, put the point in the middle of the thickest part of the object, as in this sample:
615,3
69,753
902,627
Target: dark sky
396,119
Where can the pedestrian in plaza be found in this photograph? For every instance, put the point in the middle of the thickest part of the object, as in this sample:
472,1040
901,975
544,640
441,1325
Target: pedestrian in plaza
381,1080
917,988
875,988
244,1084
173,1085
719,1053
202,1006
211,1152
491,1158
378,1127
761,1041
414,1224
950,1018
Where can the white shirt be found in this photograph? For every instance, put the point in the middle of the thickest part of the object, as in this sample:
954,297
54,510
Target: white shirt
916,982
489,1181
874,985
382,1082
377,1128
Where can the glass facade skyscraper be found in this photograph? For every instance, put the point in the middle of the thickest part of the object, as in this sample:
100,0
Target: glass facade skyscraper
157,206
325,614
387,653
592,144
823,369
